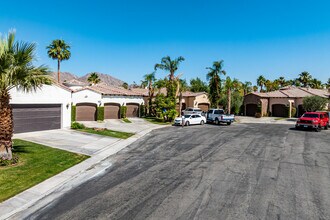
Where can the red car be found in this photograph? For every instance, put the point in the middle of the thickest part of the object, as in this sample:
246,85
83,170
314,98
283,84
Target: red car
314,120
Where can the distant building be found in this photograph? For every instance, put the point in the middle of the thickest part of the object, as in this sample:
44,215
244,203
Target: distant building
276,103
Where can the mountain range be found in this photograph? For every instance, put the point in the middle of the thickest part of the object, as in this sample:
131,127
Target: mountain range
105,78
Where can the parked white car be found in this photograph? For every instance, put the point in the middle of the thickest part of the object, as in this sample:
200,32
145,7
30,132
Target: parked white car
194,119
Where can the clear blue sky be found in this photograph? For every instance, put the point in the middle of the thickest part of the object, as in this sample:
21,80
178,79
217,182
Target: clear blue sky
125,38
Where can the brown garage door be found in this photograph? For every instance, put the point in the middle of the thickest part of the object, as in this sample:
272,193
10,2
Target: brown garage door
111,111
132,110
279,110
251,109
32,117
204,106
86,112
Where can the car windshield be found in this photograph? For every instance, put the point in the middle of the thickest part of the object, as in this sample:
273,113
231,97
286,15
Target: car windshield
311,115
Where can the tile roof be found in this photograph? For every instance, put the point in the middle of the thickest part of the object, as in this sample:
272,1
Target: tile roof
74,82
110,90
192,94
293,92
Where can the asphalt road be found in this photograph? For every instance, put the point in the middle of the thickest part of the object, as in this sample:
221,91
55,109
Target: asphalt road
242,171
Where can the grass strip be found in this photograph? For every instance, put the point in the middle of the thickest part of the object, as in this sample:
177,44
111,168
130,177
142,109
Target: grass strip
36,164
106,132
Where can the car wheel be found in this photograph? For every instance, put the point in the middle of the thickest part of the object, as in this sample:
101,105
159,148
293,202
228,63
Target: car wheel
187,123
202,122
326,127
216,121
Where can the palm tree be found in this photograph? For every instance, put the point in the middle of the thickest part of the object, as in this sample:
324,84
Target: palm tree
228,88
150,79
125,85
214,81
59,50
94,78
281,81
182,87
247,87
328,84
316,84
305,78
261,82
16,70
171,66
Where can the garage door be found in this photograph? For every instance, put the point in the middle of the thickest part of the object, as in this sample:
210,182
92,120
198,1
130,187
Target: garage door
279,110
204,106
32,117
86,112
111,111
251,109
132,110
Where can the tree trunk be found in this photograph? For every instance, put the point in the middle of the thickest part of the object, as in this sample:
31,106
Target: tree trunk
58,70
6,126
180,104
228,101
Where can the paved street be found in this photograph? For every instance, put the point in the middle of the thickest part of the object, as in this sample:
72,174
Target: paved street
243,171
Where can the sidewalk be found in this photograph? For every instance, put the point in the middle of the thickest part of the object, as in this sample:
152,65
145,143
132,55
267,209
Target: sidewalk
43,194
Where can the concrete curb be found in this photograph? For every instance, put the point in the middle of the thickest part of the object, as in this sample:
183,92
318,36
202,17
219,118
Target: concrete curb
18,206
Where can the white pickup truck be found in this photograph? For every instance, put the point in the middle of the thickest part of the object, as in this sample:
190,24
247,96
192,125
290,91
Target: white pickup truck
218,116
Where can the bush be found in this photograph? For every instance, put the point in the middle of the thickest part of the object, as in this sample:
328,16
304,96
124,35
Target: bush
13,161
123,110
100,113
73,113
142,110
314,103
293,111
76,125
258,115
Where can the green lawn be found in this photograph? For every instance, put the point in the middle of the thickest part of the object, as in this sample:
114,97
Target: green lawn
111,133
158,121
36,164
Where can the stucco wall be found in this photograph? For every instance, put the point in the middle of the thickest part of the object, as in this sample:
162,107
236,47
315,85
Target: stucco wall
46,95
122,100
86,96
201,99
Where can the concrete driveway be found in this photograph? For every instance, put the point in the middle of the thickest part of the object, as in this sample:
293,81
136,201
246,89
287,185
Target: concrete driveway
69,140
137,125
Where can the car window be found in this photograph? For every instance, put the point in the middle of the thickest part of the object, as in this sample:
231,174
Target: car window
187,116
210,112
197,116
311,115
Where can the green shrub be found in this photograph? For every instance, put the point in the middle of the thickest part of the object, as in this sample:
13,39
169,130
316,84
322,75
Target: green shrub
76,125
73,113
13,161
142,110
293,111
123,110
100,113
314,103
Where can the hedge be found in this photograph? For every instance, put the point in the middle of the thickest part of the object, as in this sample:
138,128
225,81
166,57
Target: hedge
73,113
123,110
100,113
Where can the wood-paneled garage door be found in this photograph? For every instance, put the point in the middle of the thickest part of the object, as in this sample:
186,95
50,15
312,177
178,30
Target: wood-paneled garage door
36,117
132,110
251,109
111,111
85,112
279,110
204,106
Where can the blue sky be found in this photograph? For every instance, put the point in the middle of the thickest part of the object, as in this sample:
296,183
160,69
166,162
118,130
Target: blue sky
126,38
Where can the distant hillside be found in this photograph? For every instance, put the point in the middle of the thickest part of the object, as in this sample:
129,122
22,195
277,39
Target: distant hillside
105,78
65,76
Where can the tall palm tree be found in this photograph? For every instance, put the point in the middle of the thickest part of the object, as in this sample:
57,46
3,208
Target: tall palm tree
316,84
231,85
261,80
59,50
16,70
215,81
281,81
182,87
94,78
171,66
305,78
247,87
328,84
150,79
